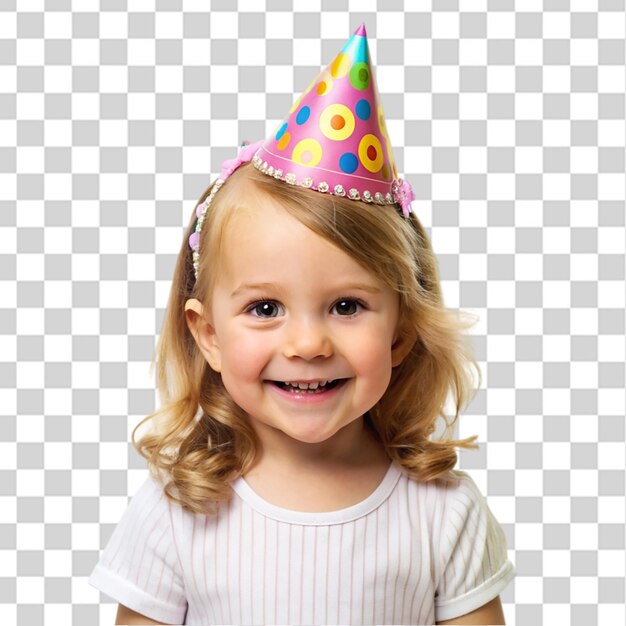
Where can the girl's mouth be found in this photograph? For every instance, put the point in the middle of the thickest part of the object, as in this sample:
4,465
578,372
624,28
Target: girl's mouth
315,388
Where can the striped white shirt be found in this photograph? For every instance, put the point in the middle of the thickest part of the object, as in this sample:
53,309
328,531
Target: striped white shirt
410,553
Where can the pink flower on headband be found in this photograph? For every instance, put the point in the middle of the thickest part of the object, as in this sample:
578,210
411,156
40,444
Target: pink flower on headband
404,197
246,152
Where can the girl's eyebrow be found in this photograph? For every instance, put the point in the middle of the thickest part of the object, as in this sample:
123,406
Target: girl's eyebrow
253,287
342,287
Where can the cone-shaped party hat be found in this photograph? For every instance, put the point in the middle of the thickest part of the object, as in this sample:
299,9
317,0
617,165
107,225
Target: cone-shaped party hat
334,139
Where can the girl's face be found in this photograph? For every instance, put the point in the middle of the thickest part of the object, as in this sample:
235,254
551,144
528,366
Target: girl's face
291,311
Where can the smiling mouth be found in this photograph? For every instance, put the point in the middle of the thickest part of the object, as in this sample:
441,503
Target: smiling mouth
308,388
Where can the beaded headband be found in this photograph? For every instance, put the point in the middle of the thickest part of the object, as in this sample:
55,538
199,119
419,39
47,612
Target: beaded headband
334,140
246,152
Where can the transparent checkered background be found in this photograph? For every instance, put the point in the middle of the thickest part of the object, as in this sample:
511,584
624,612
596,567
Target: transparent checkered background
509,122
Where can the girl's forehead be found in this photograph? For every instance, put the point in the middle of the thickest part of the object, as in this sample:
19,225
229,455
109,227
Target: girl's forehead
263,227
260,229
256,213
276,247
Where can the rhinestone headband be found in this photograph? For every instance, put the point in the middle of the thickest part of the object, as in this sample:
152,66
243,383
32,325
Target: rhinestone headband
401,191
246,152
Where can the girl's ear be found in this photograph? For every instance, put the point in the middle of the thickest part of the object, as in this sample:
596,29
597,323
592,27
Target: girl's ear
204,334
403,342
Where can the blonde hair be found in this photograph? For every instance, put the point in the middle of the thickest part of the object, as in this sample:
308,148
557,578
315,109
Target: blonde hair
201,440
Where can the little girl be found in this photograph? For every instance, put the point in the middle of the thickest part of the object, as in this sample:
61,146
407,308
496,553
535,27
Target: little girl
304,360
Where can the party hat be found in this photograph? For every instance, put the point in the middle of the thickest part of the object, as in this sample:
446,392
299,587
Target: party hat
335,139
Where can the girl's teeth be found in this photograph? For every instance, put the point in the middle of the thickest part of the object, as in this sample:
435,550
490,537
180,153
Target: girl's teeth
307,386
314,385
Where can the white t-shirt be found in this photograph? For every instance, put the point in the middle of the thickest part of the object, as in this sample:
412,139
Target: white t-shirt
410,553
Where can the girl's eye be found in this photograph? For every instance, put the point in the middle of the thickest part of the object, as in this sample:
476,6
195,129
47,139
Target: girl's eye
347,307
265,309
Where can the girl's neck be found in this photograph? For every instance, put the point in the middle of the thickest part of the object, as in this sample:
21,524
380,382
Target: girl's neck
317,482
354,446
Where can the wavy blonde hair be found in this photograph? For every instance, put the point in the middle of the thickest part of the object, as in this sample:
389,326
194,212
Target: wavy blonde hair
201,440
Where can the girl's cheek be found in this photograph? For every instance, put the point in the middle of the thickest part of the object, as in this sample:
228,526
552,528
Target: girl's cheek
250,336
249,345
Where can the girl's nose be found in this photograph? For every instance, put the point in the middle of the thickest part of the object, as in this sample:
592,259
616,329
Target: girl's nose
307,339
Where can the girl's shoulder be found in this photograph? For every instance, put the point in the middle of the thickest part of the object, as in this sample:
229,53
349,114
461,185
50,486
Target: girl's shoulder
153,486
453,481
460,481
462,485
456,491
152,497
463,489
149,496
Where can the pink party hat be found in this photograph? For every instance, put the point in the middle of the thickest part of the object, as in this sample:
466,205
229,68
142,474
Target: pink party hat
335,139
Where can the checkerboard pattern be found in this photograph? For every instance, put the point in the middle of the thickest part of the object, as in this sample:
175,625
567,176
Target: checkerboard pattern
509,122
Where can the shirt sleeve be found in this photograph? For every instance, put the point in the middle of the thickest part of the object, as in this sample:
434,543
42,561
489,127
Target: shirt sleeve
140,566
473,558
